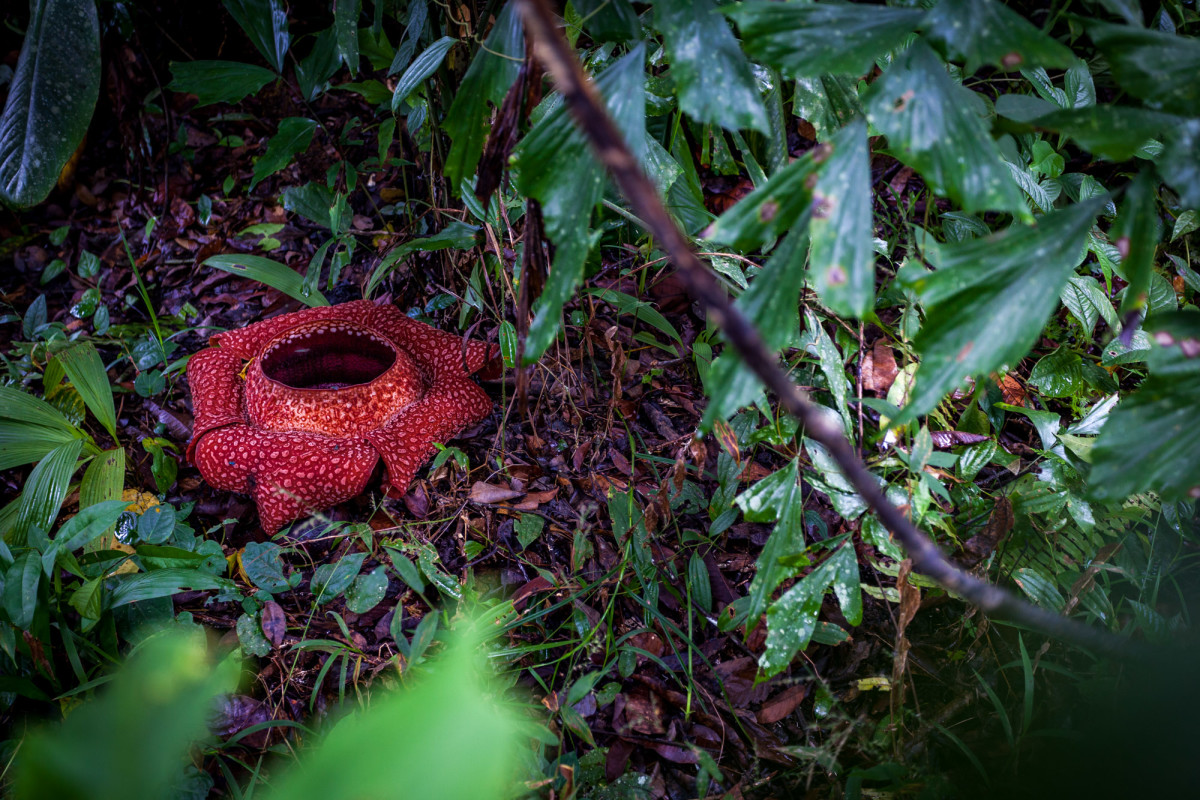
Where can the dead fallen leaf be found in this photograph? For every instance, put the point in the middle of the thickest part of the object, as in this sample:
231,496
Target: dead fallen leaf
782,704
490,493
879,368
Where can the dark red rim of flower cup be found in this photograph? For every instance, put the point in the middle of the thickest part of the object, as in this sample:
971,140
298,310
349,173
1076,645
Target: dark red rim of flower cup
327,356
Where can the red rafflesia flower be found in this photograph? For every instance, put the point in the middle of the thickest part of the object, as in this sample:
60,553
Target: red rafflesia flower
297,410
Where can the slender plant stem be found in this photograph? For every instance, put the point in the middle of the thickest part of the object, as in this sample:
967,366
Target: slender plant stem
610,147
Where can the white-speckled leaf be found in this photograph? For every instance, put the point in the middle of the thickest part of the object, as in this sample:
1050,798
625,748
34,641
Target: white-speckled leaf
50,99
986,32
931,127
842,258
713,77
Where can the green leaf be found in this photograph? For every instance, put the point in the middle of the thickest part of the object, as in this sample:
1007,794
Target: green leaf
930,125
556,166
776,496
330,580
986,32
641,310
1059,374
1039,588
987,304
1117,133
457,235
711,74
88,598
21,589
831,364
492,72
345,27
783,202
50,99
809,40
45,489
263,566
1150,440
83,366
272,273
842,258
445,736
1158,67
1180,161
1085,299
792,619
160,700
318,66
89,524
1135,233
367,591
265,22
134,588
293,136
218,81
425,65
528,528
250,636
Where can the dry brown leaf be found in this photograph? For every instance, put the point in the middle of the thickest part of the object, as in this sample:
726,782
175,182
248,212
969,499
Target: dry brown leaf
489,493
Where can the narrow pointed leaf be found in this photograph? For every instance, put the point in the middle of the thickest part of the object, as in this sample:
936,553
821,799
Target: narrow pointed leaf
51,98
987,304
842,259
713,77
272,273
46,489
1113,132
492,71
265,22
85,369
921,111
345,28
421,68
1136,234
783,202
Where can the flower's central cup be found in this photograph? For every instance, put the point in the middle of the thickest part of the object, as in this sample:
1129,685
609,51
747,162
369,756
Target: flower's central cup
335,378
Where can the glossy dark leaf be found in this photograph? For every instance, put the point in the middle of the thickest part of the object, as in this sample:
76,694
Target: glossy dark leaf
982,32
1180,161
712,76
492,71
609,20
294,136
783,202
265,22
1150,440
930,127
842,258
792,619
1113,132
1160,68
556,167
345,27
218,81
272,273
987,303
1136,235
50,99
421,68
808,40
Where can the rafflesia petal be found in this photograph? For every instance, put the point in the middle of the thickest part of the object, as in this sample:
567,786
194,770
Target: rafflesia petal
297,410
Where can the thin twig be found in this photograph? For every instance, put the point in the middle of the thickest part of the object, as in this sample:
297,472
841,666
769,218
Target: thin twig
587,108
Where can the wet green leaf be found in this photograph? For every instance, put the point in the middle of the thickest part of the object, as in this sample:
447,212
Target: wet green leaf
367,591
1059,374
135,588
330,580
492,71
1180,161
783,202
1135,233
265,22
263,566
987,304
218,81
50,99
345,28
250,636
842,258
808,40
293,136
930,126
982,32
712,76
1113,132
272,273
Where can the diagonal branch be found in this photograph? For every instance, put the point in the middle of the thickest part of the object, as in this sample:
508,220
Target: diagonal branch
589,112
